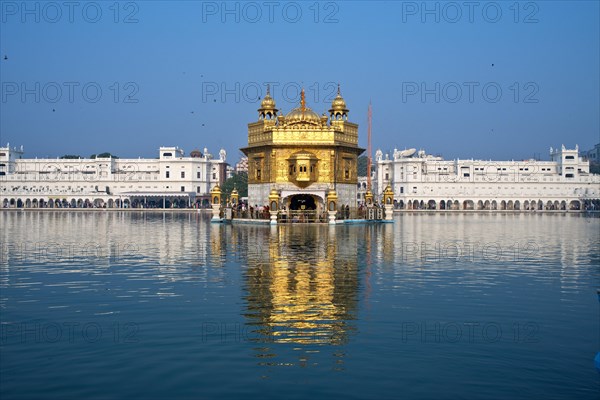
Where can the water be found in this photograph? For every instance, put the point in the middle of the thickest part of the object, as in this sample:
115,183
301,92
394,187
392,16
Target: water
152,305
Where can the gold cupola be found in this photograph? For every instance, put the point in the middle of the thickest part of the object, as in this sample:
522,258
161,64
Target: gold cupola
267,108
303,114
338,107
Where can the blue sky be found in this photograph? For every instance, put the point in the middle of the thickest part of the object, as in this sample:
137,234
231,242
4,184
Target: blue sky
489,80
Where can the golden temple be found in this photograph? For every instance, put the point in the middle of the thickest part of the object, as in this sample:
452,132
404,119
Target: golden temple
302,157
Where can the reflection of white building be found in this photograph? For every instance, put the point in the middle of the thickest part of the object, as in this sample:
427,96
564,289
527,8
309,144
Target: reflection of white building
169,180
422,181
164,247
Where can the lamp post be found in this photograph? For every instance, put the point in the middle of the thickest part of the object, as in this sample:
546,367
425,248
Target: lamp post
331,205
234,200
215,195
273,205
369,198
388,202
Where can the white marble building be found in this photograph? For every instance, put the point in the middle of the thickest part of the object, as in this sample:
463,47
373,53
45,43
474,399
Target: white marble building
421,181
171,180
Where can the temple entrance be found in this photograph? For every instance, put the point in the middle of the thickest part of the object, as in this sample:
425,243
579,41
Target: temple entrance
303,202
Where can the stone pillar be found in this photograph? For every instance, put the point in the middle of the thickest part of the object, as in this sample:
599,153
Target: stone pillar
273,205
331,206
215,195
388,202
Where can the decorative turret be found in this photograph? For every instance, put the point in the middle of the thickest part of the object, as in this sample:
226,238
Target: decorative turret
215,193
338,107
369,198
274,199
267,108
235,196
388,195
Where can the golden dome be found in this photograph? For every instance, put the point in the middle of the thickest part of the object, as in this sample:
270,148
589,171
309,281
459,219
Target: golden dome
302,113
267,105
338,104
267,102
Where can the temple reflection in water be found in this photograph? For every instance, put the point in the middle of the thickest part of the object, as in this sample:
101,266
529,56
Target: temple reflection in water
301,284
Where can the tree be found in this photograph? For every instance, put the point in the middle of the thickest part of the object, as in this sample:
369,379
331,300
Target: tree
239,181
103,155
362,165
70,157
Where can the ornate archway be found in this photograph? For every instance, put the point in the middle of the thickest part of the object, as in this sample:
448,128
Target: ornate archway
302,202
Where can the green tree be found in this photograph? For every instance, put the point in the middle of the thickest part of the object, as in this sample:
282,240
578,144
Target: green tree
70,157
239,181
103,155
362,165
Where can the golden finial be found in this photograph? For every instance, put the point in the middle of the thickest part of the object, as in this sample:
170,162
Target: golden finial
339,89
268,89
302,101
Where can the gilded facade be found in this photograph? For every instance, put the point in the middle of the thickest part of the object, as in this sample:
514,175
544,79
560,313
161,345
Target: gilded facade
302,155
